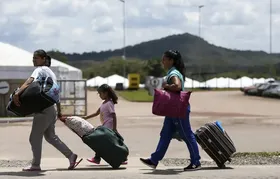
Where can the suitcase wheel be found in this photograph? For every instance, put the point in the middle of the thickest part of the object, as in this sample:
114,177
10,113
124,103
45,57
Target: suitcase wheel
115,166
221,166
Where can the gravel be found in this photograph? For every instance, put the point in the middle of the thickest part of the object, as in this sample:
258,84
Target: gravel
240,160
14,163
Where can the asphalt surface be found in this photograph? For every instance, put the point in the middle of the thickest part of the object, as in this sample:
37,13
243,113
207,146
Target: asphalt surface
247,172
252,123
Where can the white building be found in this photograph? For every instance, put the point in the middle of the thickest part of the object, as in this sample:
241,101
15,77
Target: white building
16,63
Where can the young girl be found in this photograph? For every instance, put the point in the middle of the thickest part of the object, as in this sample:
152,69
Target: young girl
107,113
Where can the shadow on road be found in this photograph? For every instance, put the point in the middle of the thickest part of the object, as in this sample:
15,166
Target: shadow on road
41,173
164,172
176,171
23,174
90,168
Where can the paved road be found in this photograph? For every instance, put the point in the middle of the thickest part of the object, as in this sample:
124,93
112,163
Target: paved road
141,136
252,129
56,170
247,172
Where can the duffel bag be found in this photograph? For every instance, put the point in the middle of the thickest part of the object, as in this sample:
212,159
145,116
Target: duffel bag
38,96
108,144
78,125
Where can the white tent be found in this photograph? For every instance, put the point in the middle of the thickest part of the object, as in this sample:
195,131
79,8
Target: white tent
222,83
110,80
114,79
96,81
189,83
16,63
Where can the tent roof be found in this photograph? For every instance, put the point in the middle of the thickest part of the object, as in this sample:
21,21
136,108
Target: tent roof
14,56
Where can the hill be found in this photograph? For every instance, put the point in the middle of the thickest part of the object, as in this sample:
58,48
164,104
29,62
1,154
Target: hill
196,52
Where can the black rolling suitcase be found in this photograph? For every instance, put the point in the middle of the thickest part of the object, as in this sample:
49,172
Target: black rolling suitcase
216,143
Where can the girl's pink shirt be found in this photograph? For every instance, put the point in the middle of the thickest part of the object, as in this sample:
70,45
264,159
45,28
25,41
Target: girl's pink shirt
107,109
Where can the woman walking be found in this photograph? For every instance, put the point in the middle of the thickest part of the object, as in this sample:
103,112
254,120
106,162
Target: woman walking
44,121
172,61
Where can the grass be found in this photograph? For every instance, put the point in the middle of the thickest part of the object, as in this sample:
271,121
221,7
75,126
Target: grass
142,95
256,154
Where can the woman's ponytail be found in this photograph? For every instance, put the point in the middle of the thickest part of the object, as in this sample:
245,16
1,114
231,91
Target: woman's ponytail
178,61
48,60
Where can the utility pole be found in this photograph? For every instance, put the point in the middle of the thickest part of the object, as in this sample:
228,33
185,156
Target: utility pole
124,39
199,31
270,27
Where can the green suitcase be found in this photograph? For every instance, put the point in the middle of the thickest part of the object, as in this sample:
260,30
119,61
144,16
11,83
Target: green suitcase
108,144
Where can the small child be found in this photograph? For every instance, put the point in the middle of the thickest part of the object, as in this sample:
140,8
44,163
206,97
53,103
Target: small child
107,113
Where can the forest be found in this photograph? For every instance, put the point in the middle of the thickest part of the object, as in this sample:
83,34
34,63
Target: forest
202,59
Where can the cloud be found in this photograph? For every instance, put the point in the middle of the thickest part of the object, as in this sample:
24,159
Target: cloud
102,24
95,25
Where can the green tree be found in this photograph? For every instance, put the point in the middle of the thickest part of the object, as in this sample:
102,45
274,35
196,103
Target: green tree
55,54
154,68
272,71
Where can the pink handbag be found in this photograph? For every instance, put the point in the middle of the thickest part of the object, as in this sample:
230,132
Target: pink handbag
171,104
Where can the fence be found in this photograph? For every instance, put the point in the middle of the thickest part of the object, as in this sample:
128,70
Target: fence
73,97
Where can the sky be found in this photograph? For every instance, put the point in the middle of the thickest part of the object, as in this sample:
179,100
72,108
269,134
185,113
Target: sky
97,25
